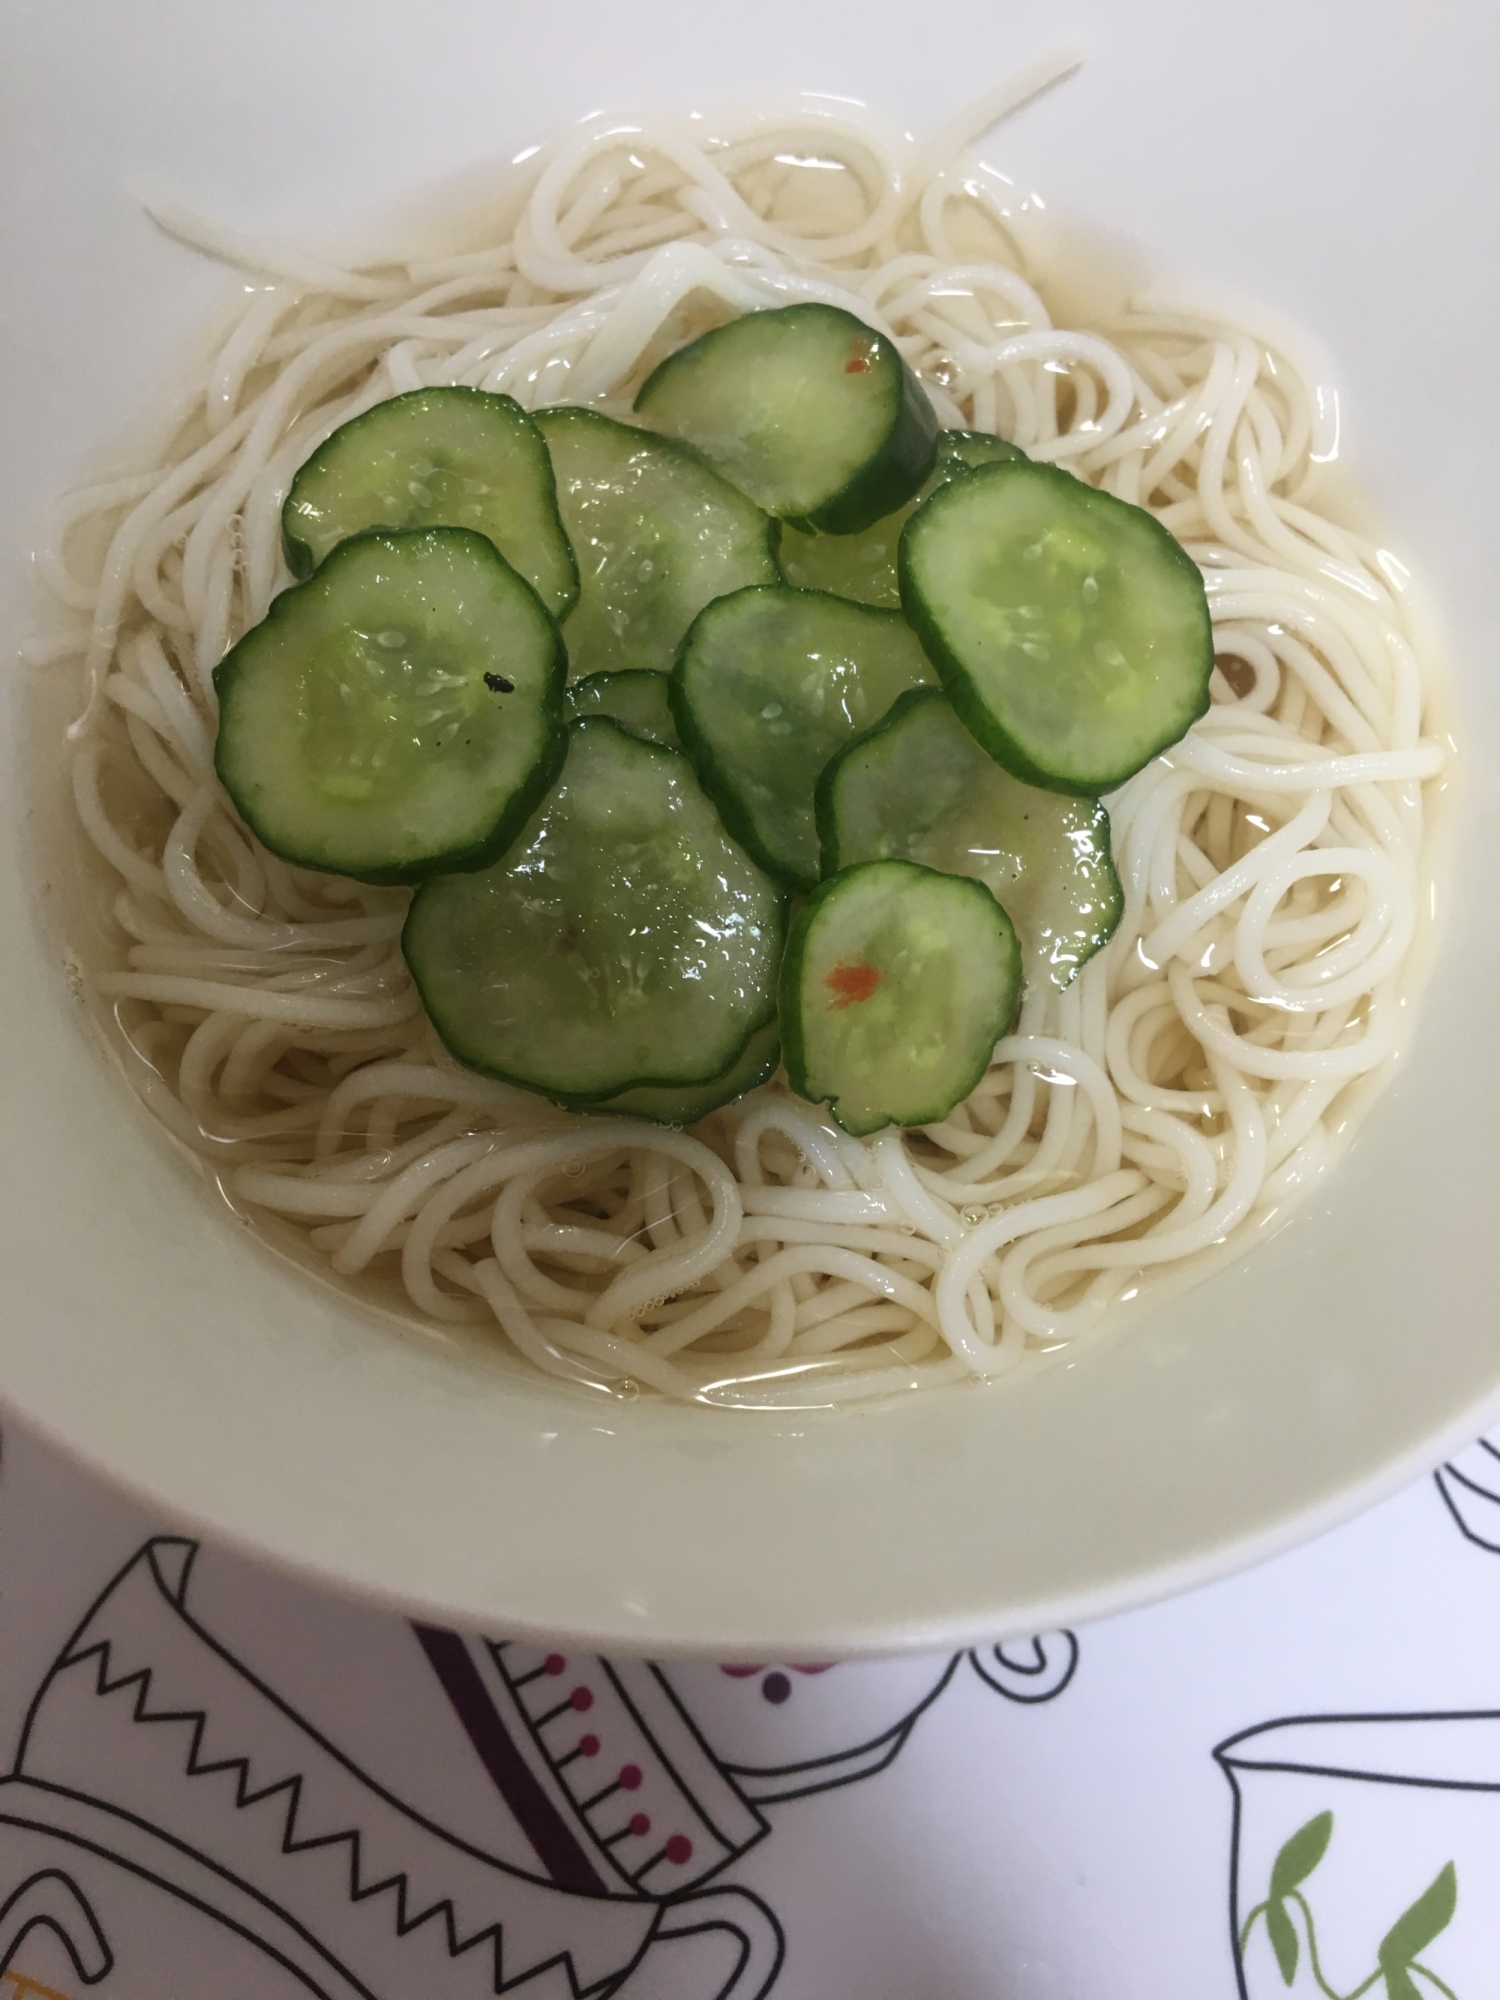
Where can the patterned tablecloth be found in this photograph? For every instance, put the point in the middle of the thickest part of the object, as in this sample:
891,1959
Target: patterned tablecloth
224,1786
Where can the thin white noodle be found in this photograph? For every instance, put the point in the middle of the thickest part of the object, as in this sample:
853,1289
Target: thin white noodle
1195,1079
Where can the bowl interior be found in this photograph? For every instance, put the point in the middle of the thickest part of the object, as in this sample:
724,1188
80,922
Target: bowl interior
148,1333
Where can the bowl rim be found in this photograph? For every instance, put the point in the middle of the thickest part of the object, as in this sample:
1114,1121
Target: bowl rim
1338,1453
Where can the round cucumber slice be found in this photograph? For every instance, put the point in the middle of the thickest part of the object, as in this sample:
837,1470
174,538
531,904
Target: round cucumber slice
636,698
623,941
769,684
436,458
398,713
897,984
1070,630
657,535
917,787
812,413
863,566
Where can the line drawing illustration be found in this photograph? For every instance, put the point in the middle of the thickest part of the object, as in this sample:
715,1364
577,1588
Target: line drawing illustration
1390,1818
167,1806
1397,1815
1470,1489
151,1756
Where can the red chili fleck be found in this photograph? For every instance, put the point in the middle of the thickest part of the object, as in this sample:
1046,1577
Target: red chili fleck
860,358
849,983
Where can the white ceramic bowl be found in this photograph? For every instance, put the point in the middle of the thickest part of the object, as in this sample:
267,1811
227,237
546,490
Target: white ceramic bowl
1337,165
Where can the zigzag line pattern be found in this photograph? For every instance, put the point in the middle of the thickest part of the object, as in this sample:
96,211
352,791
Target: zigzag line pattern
292,1844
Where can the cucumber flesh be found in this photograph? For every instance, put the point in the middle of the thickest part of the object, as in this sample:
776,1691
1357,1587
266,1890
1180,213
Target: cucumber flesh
436,458
769,684
636,698
657,535
918,787
686,1103
1069,628
398,713
623,941
897,984
805,408
863,566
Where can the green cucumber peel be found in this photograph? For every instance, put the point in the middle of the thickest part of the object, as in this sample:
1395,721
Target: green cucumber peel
917,787
397,715
657,534
771,682
1069,628
436,458
635,697
896,985
805,408
863,566
685,1104
623,942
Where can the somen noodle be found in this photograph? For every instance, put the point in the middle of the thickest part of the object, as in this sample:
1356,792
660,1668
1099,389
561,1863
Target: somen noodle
1159,1114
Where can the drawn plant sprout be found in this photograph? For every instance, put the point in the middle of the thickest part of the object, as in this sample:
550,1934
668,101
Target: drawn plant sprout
1396,1960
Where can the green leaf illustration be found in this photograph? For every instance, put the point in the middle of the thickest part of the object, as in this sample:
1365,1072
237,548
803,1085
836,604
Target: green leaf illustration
1399,1984
1299,1856
1415,1929
1284,1942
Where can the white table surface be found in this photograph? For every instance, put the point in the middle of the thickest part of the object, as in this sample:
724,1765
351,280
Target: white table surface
1066,1821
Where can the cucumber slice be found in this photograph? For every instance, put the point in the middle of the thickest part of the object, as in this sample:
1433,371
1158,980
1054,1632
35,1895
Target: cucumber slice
864,566
657,535
968,450
686,1103
897,984
635,698
1070,630
436,458
398,713
768,685
808,410
918,787
624,940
